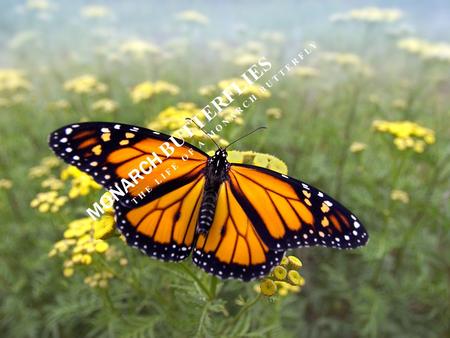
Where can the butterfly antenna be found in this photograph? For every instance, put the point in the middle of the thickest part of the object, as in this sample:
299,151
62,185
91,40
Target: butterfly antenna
240,138
191,120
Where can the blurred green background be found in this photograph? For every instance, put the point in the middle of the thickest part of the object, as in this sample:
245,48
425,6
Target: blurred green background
365,118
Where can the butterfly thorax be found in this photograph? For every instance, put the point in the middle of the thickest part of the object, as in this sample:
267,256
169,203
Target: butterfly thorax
216,172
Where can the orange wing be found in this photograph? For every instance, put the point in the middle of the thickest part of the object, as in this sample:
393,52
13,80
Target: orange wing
118,154
233,248
289,213
165,227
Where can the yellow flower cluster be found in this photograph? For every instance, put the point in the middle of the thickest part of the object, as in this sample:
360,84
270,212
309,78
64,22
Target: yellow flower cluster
99,279
357,147
138,48
52,183
95,11
59,105
13,80
274,113
283,279
407,134
145,90
105,106
400,195
231,114
192,16
174,117
425,49
348,60
306,72
246,59
44,168
5,184
82,238
85,84
81,183
207,90
259,159
49,201
369,14
245,87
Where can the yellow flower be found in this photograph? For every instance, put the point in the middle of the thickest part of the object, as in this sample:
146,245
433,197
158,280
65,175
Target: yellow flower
207,90
81,183
343,59
231,114
428,50
279,273
268,287
60,105
104,105
5,184
104,227
246,59
306,72
294,278
85,84
52,183
48,201
274,112
95,11
145,90
139,48
68,272
13,80
407,134
291,263
192,16
285,288
399,104
400,195
357,147
100,279
369,14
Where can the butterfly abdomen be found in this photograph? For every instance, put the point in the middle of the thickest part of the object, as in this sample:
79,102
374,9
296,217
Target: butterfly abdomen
207,210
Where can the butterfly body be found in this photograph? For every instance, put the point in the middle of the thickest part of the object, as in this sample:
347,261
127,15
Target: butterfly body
216,172
235,220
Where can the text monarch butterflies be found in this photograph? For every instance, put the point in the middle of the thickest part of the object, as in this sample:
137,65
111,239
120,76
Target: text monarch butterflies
237,220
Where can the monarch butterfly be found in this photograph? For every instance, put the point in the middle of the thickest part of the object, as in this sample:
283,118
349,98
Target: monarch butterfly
237,220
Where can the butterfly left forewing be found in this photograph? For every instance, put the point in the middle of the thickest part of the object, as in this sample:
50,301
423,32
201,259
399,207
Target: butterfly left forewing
288,213
114,152
232,248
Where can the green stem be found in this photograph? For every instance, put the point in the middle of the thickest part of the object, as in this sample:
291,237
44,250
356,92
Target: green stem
197,280
346,142
213,287
202,320
245,308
